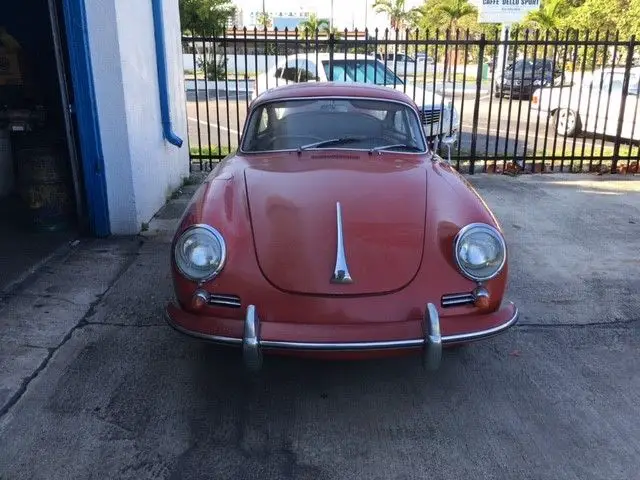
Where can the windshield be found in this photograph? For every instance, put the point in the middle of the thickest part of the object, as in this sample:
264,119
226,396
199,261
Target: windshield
361,71
360,124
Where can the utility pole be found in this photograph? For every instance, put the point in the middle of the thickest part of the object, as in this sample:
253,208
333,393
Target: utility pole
366,8
331,19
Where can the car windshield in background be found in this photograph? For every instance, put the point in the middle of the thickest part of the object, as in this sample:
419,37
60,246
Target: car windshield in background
346,123
361,71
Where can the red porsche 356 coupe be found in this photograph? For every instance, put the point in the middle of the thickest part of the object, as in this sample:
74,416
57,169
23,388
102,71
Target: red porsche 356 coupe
335,231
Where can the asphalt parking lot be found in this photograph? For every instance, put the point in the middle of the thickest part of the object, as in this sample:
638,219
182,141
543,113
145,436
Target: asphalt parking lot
121,395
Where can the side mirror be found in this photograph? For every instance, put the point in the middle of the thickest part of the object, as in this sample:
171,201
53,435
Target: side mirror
448,141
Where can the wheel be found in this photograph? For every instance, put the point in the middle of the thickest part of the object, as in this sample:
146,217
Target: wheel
567,122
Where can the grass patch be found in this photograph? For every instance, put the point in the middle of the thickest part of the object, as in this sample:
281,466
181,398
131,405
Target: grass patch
209,151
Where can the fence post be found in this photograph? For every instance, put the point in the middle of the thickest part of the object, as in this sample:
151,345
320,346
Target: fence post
625,92
331,48
476,104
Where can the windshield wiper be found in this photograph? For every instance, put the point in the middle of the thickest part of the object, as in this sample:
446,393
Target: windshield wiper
396,145
331,141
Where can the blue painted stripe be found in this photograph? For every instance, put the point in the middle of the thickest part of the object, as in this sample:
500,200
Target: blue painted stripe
86,111
163,84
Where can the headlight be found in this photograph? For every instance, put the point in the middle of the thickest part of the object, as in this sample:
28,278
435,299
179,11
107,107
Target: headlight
200,253
480,251
537,83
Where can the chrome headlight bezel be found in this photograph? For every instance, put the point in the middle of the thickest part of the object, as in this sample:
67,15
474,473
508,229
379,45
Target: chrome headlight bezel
463,234
213,235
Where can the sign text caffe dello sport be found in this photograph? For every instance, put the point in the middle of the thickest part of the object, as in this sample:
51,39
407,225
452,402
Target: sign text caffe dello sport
505,11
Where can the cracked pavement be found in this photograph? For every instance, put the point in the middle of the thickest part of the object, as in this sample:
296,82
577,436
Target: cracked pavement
95,385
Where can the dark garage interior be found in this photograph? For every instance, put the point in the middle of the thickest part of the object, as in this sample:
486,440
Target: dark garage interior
39,187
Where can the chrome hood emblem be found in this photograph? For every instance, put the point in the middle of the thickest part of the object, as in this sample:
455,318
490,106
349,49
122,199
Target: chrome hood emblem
341,271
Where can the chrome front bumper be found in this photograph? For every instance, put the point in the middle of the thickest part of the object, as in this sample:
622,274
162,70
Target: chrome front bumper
431,342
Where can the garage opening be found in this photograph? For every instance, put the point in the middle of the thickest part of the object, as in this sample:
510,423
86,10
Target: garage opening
40,191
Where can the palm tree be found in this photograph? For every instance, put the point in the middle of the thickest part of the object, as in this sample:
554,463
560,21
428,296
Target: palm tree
264,19
455,10
549,15
395,9
313,24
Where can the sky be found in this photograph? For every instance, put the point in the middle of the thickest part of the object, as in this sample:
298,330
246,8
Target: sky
346,13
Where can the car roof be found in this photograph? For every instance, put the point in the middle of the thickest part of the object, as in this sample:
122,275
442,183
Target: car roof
332,89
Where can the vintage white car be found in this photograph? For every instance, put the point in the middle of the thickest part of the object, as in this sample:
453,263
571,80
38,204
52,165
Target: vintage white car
439,118
593,103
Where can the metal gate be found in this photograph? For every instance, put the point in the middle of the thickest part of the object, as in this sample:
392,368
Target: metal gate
530,101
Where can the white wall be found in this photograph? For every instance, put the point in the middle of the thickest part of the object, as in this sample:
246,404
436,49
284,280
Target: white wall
141,167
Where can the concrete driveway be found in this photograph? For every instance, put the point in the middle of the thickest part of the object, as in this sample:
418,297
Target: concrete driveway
557,397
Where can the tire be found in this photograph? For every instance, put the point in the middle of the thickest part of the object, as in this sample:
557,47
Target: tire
567,122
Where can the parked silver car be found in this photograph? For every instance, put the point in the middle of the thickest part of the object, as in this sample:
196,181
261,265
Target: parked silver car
439,118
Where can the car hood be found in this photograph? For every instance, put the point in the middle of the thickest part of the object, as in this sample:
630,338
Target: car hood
292,208
421,96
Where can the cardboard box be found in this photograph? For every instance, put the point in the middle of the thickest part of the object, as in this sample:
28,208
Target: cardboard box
10,74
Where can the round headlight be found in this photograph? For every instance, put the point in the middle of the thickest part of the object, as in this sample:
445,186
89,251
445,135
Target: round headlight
480,251
200,253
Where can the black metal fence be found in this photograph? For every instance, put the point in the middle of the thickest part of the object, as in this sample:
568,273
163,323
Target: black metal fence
525,101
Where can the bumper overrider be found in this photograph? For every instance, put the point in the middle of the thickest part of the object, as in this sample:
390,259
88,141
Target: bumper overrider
431,341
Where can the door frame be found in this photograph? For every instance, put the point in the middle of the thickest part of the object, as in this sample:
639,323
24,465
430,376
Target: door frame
85,111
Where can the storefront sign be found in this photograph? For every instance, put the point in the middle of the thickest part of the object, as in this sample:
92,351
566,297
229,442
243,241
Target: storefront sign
505,11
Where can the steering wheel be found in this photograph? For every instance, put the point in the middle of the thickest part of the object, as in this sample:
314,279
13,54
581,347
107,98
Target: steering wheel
307,139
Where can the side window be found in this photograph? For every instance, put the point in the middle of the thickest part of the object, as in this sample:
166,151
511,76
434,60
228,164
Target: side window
264,121
290,73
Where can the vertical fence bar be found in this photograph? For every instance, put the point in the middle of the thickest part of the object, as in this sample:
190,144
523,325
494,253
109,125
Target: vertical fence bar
505,40
605,52
513,76
246,70
535,138
235,67
195,83
213,46
386,48
226,89
433,90
317,50
395,59
590,98
582,70
464,84
520,95
574,59
331,47
415,69
277,48
406,60
453,92
623,102
494,63
366,51
606,112
555,137
206,97
345,44
266,60
546,132
424,88
476,104
255,62
536,39
375,54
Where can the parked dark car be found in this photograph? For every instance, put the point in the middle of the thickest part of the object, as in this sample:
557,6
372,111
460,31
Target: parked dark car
522,78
